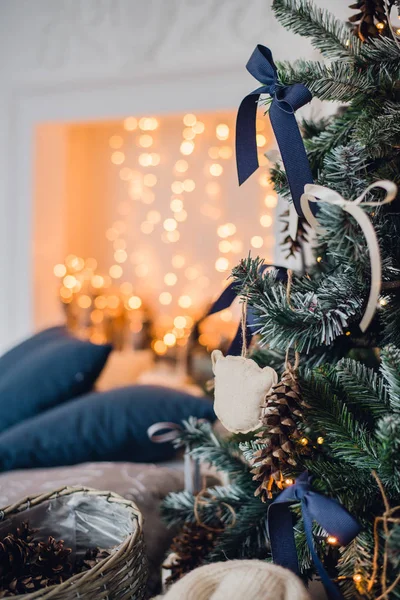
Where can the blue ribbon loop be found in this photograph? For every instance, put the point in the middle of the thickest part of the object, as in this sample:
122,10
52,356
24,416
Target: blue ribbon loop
327,512
285,101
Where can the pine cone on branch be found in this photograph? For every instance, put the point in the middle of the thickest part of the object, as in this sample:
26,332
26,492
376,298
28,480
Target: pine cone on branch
370,20
189,548
281,413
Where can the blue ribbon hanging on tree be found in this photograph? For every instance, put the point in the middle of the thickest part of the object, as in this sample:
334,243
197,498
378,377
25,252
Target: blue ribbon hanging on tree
327,512
285,101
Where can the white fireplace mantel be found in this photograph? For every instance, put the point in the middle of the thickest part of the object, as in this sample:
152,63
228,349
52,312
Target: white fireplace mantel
80,60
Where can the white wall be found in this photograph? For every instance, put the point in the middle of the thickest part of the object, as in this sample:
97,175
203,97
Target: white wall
63,60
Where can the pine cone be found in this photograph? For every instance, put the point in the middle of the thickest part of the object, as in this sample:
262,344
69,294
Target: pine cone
370,20
52,562
189,549
90,560
281,413
14,554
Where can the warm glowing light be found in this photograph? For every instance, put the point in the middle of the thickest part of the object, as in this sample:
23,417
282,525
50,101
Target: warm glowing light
100,302
188,133
383,301
216,169
159,347
357,577
145,140
260,125
398,31
189,185
169,339
148,197
189,120
266,220
319,259
222,131
150,179
185,301
60,270
74,262
84,301
148,123
263,180
130,124
348,333
224,246
180,322
237,246
178,261
191,273
65,293
117,157
146,227
69,281
170,279
134,302
181,216
115,142
331,539
304,441
176,205
172,236
270,201
115,271
142,270
256,241
126,288
181,166
165,298
145,160
320,440
221,264
289,481
213,152
261,140
226,230
187,147
380,26
170,224
213,188
120,256
198,127
153,216
226,315
96,316
225,152
155,158
97,281
177,187
125,174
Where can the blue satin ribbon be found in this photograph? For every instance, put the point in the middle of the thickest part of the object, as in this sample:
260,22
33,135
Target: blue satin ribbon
285,101
224,301
327,512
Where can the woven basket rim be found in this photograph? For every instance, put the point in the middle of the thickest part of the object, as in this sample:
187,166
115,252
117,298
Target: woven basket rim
120,551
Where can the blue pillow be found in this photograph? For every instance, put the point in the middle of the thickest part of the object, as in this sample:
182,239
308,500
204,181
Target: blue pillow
56,371
30,345
101,426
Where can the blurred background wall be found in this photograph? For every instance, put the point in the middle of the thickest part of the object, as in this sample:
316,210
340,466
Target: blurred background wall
68,64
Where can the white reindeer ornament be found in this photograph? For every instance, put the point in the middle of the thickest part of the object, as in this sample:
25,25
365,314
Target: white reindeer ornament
240,389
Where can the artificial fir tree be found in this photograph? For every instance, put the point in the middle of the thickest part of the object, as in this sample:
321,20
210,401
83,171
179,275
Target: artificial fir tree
349,380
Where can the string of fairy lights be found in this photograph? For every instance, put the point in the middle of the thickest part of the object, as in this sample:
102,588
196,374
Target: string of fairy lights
115,302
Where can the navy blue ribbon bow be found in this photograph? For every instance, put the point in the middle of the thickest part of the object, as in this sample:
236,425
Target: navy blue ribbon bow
285,101
327,512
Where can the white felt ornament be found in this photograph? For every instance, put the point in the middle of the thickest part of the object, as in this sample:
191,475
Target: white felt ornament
240,388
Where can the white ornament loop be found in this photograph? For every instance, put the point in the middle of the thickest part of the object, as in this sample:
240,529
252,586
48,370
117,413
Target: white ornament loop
319,193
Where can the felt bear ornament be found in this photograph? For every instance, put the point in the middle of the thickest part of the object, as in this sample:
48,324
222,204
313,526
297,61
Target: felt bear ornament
239,392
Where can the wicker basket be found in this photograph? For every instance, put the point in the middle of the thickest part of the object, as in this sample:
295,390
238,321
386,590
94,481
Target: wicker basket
120,576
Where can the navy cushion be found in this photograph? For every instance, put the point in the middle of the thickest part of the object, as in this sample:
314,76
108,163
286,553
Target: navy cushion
55,371
30,345
101,426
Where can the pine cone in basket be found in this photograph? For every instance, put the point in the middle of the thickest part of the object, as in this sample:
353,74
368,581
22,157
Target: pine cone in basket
14,554
52,561
188,548
92,557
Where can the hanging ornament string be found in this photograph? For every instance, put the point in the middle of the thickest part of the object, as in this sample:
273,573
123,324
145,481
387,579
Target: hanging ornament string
318,193
244,328
202,499
387,518
292,369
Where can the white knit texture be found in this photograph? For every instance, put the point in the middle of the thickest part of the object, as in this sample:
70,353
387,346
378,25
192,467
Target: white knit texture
239,580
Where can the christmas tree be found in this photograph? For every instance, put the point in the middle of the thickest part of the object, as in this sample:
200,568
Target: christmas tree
336,413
